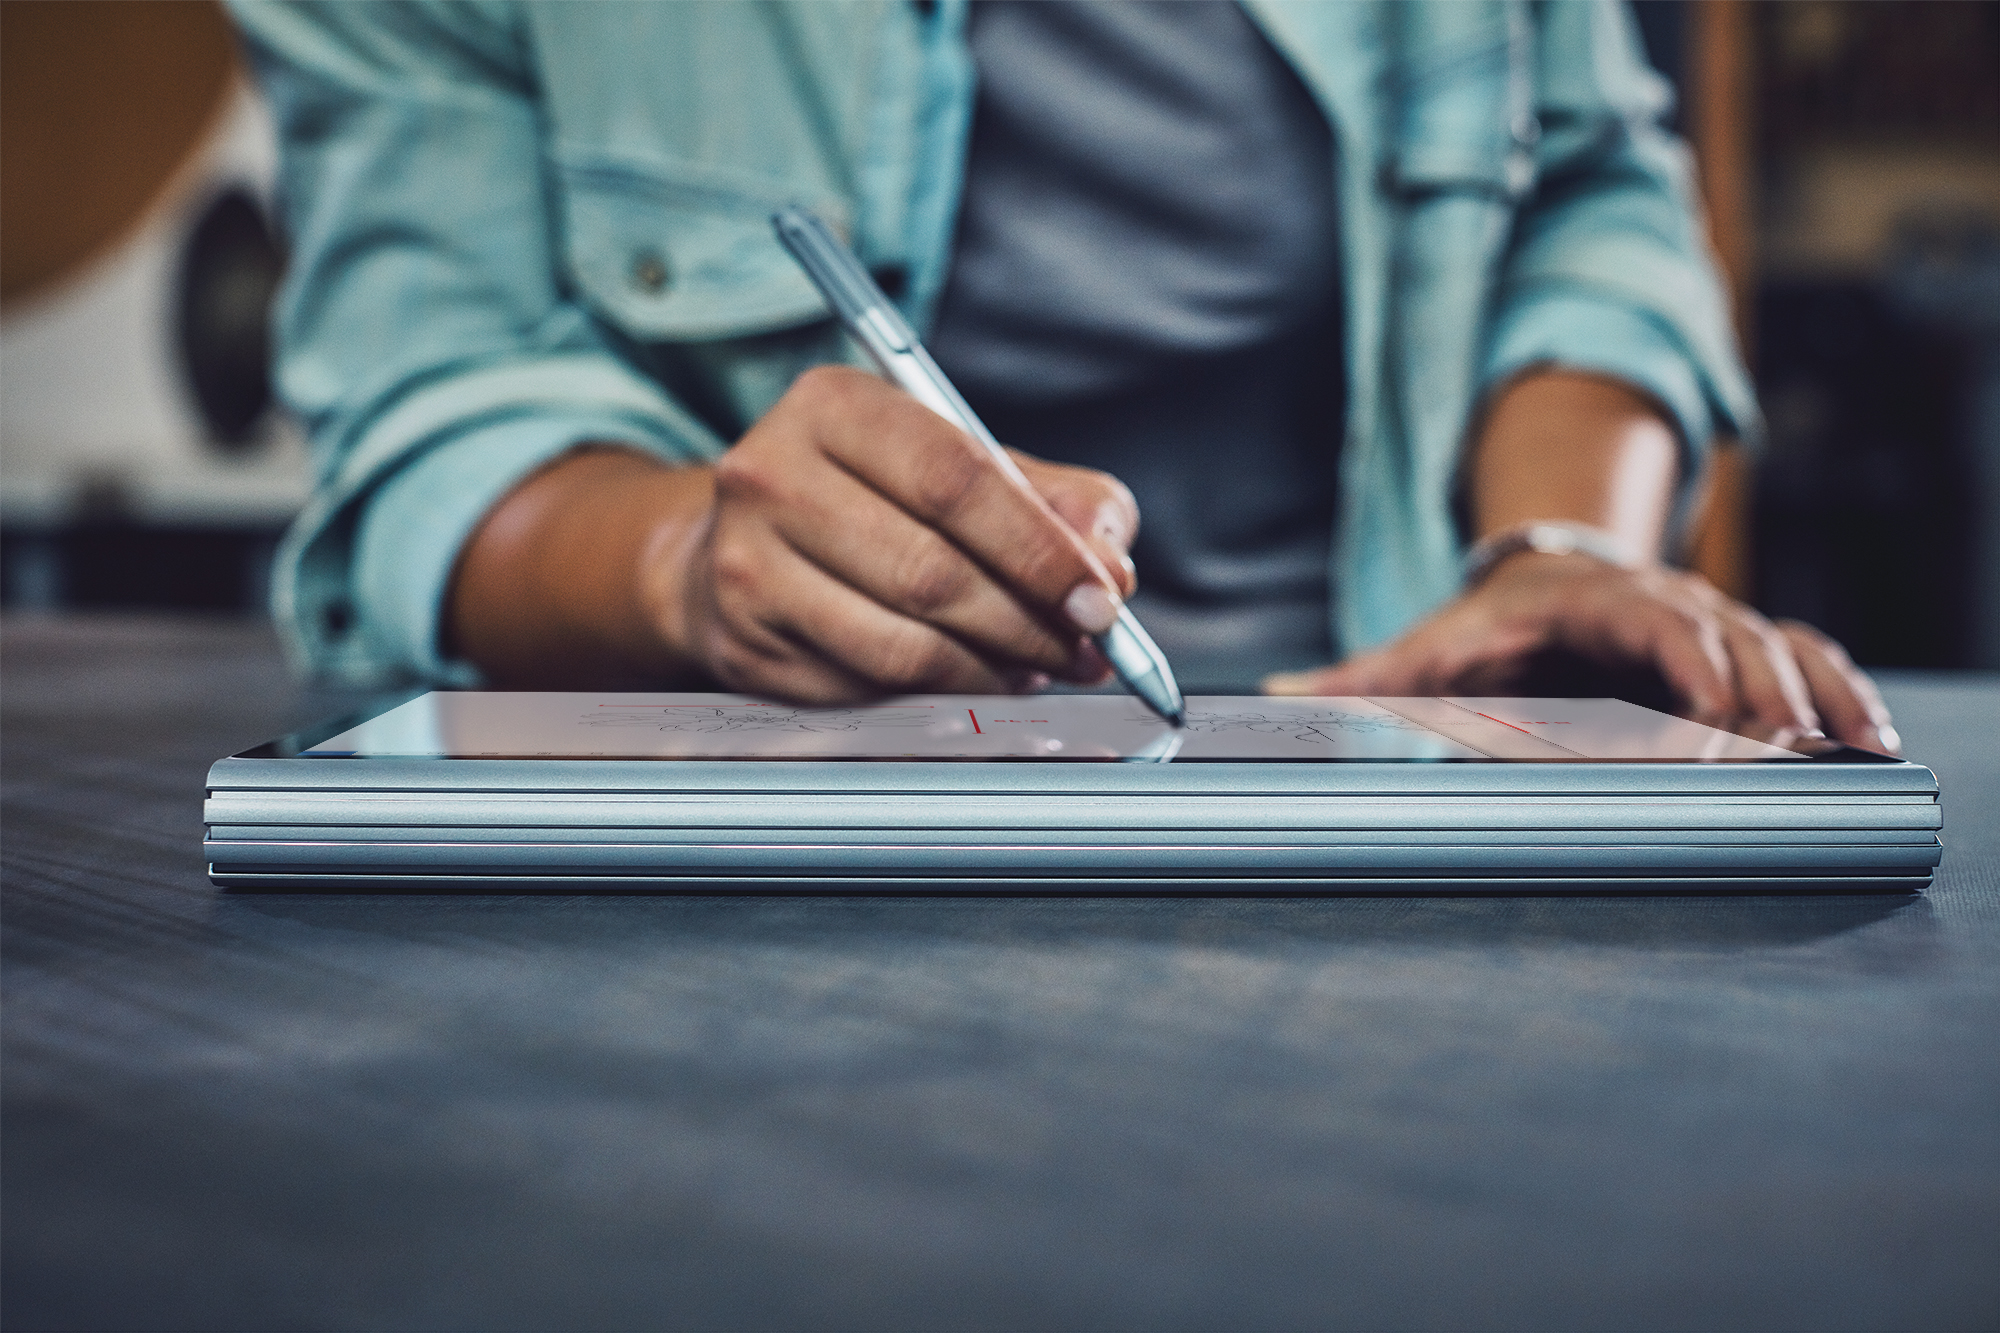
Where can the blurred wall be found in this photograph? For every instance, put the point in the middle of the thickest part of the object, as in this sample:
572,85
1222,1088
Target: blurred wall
100,107
1876,133
140,464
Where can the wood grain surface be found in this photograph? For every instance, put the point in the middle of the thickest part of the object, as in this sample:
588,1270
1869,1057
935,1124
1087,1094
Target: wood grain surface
404,1112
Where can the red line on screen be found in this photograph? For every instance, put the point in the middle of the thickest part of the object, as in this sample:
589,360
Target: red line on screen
975,722
1490,718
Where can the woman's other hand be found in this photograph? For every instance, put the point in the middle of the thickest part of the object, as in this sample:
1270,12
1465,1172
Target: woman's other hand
1724,663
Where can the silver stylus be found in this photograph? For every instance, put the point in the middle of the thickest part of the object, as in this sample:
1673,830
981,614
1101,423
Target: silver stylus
889,341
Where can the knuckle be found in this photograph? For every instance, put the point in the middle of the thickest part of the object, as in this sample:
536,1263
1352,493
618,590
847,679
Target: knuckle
912,658
1697,585
1689,619
1774,640
1821,642
948,475
932,578
1048,563
1765,633
743,474
824,386
1690,590
735,567
1657,587
1101,488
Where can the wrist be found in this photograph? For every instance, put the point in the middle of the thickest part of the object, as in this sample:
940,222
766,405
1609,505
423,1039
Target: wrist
571,579
1558,446
677,521
1540,537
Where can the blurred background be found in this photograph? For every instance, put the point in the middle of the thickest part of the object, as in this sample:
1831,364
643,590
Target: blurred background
1849,153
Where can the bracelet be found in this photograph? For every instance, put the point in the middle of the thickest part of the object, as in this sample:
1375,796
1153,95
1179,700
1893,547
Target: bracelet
1545,539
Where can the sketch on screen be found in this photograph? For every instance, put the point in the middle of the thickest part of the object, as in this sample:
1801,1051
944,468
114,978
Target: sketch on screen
737,719
482,724
1311,727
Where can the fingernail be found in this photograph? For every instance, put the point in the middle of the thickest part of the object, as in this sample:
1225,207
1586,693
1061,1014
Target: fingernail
1287,682
1092,607
1889,740
1110,525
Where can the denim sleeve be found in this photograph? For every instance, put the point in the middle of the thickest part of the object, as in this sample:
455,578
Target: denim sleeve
425,336
1609,268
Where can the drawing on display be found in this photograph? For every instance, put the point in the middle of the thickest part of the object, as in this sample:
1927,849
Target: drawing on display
736,719
1316,726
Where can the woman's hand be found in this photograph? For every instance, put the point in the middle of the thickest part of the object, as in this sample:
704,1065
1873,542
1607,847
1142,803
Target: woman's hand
852,544
860,545
1721,660
1557,445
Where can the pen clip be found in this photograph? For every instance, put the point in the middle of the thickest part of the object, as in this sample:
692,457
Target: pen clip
855,296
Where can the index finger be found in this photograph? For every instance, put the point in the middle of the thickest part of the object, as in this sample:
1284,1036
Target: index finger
947,480
1846,697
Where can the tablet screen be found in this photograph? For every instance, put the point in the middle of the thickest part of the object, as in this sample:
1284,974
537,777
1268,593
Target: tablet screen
1099,727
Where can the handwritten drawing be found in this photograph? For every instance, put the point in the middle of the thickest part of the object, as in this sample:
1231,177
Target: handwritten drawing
1314,726
762,719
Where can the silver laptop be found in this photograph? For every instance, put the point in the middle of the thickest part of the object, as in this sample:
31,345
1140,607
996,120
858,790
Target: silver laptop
1085,793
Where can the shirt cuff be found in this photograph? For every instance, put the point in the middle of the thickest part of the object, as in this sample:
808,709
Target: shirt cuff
417,522
1582,332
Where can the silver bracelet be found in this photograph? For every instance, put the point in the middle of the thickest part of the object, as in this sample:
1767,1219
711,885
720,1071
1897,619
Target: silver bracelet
1546,539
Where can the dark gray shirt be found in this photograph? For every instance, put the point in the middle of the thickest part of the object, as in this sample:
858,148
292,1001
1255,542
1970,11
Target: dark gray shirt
1146,281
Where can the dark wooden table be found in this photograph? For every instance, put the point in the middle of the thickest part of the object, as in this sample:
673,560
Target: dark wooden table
332,1112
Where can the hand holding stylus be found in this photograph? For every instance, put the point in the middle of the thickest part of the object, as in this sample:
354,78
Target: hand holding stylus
878,327
863,538
859,545
850,545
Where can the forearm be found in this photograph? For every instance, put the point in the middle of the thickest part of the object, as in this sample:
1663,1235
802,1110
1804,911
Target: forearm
1560,446
575,578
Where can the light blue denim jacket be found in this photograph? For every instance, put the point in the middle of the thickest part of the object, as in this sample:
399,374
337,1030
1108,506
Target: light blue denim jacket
516,227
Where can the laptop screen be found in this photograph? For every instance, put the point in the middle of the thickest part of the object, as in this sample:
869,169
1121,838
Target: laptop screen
1047,728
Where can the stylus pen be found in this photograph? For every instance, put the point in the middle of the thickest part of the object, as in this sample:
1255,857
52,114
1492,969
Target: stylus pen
889,341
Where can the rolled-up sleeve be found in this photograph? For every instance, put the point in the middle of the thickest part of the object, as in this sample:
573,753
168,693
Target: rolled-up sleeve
426,335
1609,270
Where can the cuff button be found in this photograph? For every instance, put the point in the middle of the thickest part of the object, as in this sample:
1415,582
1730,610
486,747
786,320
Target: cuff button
649,272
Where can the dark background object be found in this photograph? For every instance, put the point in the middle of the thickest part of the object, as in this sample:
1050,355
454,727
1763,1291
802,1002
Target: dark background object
1663,27
114,562
111,118
1884,71
229,271
1878,495
1864,506
104,555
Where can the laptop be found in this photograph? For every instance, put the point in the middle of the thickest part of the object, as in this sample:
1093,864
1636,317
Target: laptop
594,792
